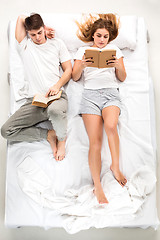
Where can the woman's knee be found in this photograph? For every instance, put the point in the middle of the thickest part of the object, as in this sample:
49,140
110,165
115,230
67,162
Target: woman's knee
110,128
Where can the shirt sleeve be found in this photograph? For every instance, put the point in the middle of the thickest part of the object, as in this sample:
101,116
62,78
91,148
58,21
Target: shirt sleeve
64,54
22,45
119,53
79,54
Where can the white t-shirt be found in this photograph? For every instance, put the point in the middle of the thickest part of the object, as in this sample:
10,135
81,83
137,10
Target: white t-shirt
97,78
42,63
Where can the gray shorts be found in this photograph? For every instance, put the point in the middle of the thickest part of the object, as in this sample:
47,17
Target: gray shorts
95,100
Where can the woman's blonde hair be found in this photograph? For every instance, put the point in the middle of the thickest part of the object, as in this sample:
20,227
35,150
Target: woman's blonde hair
87,28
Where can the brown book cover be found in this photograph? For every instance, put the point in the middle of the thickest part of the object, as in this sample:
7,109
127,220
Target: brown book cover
99,58
40,100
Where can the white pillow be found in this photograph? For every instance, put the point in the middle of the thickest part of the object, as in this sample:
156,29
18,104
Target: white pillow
127,36
66,28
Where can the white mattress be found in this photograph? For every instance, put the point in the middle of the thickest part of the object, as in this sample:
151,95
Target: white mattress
43,192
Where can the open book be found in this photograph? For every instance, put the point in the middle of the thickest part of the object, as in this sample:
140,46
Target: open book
99,58
42,101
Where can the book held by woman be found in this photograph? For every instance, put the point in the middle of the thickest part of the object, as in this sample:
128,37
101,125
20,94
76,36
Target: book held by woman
99,58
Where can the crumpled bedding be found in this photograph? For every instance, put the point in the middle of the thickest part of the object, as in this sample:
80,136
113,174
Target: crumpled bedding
79,206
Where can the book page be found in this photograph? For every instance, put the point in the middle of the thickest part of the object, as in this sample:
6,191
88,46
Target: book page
42,101
40,98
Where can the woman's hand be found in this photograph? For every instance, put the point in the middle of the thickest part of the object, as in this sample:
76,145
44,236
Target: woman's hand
86,62
78,67
114,63
53,90
119,68
50,32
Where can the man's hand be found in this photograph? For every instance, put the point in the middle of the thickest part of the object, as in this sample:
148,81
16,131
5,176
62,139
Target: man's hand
50,32
53,90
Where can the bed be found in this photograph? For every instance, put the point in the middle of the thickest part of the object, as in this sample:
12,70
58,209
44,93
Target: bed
45,193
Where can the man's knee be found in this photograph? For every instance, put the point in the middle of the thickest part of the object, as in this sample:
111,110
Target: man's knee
4,130
56,112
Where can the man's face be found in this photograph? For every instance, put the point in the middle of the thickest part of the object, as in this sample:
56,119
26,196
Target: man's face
37,36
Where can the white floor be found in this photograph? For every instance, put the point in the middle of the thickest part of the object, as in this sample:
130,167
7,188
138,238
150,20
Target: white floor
150,10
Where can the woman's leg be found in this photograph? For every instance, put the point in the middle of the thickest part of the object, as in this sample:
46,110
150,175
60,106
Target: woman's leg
94,127
110,116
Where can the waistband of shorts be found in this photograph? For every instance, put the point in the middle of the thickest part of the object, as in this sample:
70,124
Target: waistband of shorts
101,90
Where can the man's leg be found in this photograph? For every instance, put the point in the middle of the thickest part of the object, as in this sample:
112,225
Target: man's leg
57,113
21,125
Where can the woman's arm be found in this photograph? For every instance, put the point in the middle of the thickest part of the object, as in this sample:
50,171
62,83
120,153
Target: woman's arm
77,70
78,67
119,68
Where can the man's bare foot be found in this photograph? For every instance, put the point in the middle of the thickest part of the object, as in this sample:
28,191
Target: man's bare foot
52,139
60,150
101,198
119,176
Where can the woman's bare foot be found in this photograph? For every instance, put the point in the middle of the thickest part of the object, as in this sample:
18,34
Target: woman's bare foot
60,150
52,139
119,176
101,198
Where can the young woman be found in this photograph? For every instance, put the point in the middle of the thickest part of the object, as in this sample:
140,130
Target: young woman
101,102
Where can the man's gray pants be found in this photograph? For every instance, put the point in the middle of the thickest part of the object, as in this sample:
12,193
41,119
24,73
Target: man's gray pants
21,125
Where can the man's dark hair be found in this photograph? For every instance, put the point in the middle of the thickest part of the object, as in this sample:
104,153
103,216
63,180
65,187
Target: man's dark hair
33,22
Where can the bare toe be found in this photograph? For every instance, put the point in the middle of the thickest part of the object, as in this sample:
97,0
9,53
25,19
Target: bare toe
60,155
101,198
118,175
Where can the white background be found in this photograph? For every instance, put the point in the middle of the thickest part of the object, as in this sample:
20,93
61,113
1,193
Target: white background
9,10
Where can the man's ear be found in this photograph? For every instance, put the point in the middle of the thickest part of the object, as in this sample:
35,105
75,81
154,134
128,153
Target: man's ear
27,33
45,30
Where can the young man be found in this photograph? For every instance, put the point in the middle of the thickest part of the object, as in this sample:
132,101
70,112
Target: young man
41,59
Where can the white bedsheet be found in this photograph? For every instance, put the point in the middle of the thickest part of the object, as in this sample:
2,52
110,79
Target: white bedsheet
55,194
81,204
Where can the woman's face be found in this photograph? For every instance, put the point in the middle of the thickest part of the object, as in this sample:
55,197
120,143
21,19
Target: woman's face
101,38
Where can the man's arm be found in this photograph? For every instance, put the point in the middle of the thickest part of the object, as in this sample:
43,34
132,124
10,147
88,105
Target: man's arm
20,32
67,70
66,76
